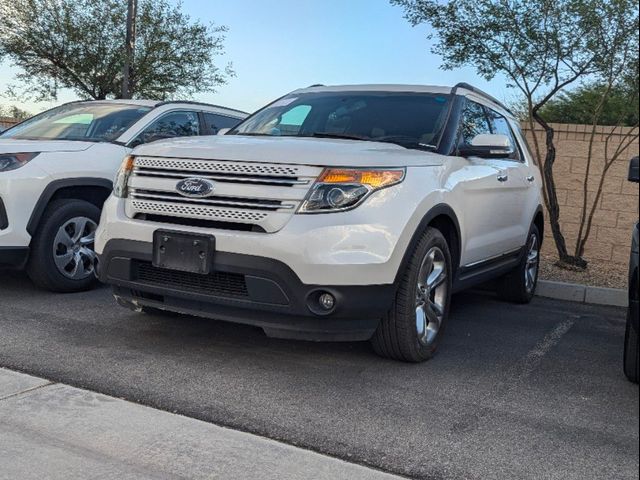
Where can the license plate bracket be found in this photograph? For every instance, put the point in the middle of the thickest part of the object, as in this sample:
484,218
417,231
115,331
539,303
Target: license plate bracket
187,252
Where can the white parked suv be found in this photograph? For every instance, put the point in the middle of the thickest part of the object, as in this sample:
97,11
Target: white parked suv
334,213
56,170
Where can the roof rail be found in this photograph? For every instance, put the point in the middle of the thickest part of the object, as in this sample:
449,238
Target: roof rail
191,102
482,93
316,85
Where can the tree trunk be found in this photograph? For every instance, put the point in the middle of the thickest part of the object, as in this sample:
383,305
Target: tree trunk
552,199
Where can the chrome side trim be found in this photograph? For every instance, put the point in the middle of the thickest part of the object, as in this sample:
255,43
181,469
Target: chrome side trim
495,257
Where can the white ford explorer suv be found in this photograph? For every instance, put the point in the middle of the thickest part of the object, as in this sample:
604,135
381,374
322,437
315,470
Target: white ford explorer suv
334,213
56,170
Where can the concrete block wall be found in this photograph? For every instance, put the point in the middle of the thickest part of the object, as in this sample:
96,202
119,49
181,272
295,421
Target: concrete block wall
617,209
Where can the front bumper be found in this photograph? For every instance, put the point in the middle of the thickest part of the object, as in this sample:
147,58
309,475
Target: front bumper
245,289
19,192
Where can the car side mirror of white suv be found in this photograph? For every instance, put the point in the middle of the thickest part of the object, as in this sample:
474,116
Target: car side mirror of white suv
488,145
222,131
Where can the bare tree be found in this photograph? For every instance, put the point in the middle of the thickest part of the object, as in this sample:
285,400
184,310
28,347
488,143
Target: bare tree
540,46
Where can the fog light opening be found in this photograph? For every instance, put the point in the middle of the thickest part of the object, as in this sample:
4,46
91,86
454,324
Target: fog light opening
327,301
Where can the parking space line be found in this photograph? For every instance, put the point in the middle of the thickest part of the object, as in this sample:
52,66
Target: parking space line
535,356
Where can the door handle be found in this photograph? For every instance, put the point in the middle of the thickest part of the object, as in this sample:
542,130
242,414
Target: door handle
530,178
503,177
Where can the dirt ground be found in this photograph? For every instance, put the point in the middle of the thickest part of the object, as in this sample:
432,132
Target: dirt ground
597,274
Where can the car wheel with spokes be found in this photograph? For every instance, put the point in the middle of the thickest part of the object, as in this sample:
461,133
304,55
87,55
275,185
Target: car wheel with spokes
413,327
62,256
519,286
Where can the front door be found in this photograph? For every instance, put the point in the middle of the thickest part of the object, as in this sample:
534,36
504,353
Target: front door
486,197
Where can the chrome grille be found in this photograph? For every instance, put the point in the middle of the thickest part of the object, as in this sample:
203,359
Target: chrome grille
260,194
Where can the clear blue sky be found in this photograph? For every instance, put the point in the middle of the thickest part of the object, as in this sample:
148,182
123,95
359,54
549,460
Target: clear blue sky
278,46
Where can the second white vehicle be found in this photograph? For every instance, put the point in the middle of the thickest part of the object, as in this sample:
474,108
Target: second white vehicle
334,213
56,170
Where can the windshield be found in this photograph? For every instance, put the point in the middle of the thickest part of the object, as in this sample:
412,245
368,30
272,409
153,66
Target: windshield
413,120
94,122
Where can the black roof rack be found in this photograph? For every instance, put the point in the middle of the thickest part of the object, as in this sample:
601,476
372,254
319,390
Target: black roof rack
482,93
316,85
160,103
191,102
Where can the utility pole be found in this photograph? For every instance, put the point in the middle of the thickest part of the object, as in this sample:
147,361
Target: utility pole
129,48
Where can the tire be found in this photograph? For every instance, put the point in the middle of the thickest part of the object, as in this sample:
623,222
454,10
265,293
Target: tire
631,351
411,330
519,286
61,256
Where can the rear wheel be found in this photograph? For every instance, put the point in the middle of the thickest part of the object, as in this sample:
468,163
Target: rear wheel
62,250
519,285
631,351
412,329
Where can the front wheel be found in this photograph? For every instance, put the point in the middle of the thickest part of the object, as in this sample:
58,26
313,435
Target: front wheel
519,286
62,256
413,327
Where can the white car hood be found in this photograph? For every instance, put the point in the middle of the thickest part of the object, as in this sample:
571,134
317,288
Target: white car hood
14,145
290,150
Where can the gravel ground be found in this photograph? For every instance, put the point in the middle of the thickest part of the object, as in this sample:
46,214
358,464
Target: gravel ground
597,274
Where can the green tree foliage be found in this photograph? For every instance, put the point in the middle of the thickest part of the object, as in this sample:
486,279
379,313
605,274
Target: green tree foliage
541,47
577,106
79,45
14,112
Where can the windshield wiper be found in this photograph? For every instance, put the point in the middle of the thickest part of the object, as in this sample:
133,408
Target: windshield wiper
407,142
344,136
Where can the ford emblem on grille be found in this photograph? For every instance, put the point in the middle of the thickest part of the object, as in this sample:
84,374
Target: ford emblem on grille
195,187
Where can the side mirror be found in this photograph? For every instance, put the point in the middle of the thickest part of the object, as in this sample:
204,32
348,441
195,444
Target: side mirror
140,139
488,145
634,173
223,131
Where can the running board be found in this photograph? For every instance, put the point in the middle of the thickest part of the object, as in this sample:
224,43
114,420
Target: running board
486,270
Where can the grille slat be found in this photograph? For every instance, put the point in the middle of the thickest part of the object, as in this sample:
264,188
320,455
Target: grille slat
218,166
220,201
261,180
197,211
221,284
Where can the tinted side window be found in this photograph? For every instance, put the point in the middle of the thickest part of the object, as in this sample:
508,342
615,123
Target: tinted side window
525,145
500,125
173,124
474,122
291,121
217,122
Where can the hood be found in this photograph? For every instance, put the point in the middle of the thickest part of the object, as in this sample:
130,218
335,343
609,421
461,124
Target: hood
16,145
291,150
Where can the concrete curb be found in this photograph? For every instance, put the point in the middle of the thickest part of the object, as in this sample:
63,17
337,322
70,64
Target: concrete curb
582,293
54,431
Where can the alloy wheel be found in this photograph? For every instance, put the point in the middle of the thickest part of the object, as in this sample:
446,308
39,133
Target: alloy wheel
532,263
431,296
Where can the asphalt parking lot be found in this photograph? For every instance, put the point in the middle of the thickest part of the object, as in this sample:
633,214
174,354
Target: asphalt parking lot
524,392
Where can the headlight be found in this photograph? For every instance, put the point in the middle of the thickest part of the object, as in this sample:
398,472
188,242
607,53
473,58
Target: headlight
122,177
339,189
11,161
